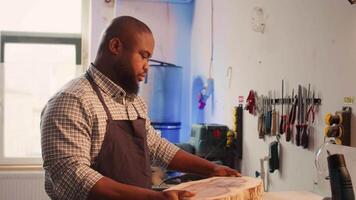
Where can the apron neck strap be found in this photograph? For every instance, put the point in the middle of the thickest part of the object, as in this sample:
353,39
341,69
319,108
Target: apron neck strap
97,91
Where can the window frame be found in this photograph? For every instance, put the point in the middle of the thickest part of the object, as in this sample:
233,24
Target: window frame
29,38
41,38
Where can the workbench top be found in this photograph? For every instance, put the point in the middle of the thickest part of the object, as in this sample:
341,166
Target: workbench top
291,195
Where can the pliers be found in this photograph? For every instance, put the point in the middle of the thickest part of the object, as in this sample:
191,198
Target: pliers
311,110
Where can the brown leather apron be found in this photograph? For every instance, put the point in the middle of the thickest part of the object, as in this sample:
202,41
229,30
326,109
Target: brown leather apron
124,155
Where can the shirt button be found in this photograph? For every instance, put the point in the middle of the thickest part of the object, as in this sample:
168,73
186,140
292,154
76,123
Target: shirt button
121,93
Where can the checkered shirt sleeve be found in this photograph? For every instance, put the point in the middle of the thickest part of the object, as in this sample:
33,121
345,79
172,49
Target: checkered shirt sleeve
66,145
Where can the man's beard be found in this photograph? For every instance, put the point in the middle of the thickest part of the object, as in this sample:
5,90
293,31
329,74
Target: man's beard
127,80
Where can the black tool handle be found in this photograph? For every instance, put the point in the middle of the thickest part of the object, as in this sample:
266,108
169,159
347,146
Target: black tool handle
297,135
289,132
294,111
274,157
281,126
305,136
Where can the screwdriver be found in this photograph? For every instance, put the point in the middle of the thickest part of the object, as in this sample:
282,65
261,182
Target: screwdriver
305,134
291,118
281,125
274,118
300,116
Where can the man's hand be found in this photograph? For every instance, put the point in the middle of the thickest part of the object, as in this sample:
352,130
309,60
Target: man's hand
220,170
177,195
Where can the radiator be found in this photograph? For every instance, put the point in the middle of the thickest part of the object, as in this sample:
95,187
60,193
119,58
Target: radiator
22,186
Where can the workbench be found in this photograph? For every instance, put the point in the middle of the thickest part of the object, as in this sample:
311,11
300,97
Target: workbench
291,195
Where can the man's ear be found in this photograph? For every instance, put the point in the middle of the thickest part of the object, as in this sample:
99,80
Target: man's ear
115,45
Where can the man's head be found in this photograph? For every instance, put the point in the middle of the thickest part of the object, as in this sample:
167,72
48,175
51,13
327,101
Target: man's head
123,54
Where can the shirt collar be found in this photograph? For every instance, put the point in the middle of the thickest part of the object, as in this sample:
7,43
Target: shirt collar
109,87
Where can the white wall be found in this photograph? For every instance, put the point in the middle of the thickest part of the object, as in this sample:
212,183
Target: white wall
304,42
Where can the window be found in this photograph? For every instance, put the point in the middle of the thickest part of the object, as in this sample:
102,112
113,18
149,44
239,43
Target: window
40,51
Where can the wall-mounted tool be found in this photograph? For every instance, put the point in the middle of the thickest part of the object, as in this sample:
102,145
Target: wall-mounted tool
299,125
300,106
333,119
268,117
340,180
251,103
339,126
274,120
273,156
238,129
311,110
287,114
272,163
335,131
291,118
305,132
283,117
263,173
261,117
